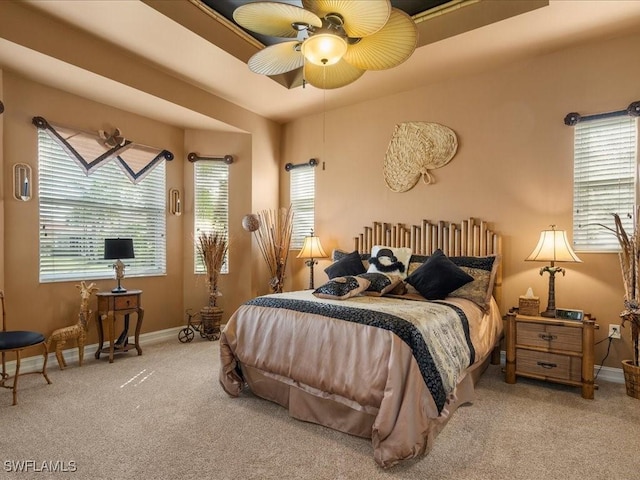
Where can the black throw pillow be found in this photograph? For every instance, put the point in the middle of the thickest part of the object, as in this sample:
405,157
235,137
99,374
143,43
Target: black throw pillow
437,277
349,265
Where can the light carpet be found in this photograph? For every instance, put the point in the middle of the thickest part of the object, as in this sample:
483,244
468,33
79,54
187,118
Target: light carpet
163,415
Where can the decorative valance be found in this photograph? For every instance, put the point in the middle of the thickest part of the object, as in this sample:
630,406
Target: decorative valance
633,110
90,152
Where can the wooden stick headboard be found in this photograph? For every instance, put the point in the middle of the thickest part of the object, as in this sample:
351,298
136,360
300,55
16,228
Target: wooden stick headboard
470,237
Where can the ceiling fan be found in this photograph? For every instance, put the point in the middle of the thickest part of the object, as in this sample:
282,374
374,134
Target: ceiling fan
336,41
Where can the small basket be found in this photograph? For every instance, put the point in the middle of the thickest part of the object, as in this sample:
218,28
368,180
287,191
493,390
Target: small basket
631,378
529,306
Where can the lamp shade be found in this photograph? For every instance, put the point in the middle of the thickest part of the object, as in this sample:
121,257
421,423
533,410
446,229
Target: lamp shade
311,248
553,246
117,248
324,49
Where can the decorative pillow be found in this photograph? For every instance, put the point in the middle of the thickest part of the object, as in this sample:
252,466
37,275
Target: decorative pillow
341,288
381,283
483,270
415,261
339,254
392,261
350,264
437,277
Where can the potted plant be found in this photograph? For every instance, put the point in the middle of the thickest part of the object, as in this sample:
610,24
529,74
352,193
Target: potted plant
629,263
212,248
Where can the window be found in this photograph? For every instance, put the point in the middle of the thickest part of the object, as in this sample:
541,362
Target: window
77,212
302,188
211,204
604,179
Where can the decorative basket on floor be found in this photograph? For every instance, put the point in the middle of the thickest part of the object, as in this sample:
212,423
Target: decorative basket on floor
210,322
631,378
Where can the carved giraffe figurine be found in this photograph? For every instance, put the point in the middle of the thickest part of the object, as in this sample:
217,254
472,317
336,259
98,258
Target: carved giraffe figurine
77,331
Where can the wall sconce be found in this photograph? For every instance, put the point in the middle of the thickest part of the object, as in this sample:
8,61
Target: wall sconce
22,183
175,207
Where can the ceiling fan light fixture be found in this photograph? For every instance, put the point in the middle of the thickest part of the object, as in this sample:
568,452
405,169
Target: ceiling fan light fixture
324,49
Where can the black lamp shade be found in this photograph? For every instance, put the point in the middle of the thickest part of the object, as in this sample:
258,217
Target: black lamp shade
117,248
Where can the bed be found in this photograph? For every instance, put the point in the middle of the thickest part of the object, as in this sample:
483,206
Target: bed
386,354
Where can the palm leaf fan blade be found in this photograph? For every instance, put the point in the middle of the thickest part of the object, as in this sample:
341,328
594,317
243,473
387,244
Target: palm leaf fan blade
387,48
331,76
276,59
274,19
361,18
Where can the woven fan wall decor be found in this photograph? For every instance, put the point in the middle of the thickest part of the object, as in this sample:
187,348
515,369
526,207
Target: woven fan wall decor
416,148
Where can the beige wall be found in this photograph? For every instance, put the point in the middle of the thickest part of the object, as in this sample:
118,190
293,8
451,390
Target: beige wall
234,290
513,166
47,306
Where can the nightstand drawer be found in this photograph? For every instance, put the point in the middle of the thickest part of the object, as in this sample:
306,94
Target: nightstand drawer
544,364
549,336
125,302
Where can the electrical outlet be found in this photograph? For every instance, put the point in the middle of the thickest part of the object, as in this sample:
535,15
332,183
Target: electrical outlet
614,331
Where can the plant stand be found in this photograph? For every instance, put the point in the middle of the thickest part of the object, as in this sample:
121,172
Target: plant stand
631,378
210,318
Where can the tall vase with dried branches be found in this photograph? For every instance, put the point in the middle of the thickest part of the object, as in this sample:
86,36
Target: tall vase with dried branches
629,262
273,229
212,248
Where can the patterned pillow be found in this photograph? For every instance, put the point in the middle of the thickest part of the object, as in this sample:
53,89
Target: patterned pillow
389,260
415,261
438,276
483,270
341,288
349,264
381,283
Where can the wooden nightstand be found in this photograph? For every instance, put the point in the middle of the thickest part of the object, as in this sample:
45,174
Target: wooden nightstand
111,305
551,349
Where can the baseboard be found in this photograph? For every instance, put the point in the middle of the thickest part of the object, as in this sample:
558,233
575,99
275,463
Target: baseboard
608,374
34,363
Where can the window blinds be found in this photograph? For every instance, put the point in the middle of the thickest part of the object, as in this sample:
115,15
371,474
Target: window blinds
77,212
604,180
211,204
302,195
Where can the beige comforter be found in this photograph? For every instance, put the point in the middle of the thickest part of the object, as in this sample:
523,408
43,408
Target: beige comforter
356,378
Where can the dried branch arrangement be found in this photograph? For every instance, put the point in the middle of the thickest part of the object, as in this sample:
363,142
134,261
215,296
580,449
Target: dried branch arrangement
629,259
274,239
212,248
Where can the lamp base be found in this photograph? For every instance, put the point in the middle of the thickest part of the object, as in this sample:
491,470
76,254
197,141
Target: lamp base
119,289
548,313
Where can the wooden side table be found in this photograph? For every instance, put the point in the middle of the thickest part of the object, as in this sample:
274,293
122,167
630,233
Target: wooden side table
110,305
552,350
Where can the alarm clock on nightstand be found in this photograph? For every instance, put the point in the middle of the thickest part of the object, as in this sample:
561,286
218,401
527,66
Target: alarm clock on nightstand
569,314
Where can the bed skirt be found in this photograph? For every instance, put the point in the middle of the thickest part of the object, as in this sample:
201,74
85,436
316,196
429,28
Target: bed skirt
319,408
